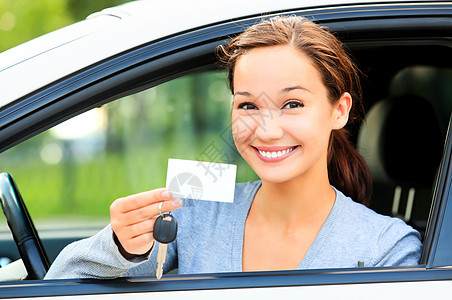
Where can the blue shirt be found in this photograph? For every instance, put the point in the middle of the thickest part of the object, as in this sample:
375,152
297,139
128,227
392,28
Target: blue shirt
210,240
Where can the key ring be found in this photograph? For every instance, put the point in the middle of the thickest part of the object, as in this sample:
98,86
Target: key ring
160,209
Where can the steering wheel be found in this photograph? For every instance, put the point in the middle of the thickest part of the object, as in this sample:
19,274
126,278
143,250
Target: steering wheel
24,233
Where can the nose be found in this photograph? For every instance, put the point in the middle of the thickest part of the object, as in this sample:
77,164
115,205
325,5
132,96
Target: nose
269,128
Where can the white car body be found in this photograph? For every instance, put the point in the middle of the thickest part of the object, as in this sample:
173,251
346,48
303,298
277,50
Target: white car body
37,63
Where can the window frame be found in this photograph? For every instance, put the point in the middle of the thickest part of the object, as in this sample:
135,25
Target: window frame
438,238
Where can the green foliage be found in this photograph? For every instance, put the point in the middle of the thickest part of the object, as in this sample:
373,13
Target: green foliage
23,20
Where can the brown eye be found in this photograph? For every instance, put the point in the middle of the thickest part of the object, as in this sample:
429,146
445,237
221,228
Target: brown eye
247,106
293,104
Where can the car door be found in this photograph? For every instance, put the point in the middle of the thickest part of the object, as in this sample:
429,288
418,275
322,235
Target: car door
144,90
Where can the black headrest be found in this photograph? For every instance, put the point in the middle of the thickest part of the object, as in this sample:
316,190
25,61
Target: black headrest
401,140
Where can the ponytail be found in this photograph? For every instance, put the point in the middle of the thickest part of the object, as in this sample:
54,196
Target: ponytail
347,170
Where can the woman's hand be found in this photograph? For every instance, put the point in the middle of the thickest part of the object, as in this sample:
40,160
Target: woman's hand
132,218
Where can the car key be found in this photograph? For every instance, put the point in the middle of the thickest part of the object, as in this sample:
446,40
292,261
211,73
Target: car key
165,232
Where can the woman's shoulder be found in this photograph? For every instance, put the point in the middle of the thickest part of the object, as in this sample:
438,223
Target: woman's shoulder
394,242
357,213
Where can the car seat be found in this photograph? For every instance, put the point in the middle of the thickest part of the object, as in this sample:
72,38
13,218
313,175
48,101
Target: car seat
401,141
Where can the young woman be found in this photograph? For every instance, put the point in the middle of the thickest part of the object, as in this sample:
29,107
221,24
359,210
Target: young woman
294,90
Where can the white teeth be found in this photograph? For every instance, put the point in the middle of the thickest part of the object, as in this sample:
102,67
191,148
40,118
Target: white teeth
275,154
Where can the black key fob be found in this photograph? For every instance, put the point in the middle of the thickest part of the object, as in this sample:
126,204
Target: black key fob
165,229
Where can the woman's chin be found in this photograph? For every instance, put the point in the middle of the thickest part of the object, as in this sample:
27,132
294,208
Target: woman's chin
274,177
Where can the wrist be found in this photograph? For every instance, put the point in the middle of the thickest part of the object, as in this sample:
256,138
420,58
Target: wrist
127,255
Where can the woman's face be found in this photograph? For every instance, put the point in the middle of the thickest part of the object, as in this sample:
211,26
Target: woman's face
282,117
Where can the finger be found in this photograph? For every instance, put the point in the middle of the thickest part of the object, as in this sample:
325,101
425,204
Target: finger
150,211
137,229
125,233
139,200
144,213
167,206
138,245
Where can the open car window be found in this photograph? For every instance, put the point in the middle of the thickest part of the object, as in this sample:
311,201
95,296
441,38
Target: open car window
70,174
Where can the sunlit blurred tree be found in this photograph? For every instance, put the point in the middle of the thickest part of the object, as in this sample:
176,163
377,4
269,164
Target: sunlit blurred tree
23,20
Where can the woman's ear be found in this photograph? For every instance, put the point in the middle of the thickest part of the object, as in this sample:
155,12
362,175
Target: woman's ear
342,110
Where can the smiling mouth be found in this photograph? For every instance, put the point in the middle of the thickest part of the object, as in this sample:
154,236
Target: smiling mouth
275,154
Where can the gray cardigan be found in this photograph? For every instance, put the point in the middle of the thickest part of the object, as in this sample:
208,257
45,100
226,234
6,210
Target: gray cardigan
210,239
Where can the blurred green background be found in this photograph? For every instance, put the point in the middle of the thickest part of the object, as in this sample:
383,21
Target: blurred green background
70,177
23,20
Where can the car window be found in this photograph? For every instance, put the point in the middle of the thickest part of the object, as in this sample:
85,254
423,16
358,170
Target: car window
69,175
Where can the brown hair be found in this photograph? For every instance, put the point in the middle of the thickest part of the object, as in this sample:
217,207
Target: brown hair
347,170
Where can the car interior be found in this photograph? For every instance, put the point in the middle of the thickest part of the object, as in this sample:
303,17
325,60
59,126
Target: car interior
402,135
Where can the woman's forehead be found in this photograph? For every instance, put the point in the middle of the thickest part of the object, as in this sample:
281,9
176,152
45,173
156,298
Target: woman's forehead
275,68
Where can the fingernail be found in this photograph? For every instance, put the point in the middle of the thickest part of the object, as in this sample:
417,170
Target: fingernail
177,202
166,195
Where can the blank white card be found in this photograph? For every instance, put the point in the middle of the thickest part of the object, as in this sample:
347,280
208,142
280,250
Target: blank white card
201,180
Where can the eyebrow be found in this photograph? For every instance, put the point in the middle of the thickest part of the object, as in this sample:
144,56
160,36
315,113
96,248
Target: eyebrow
296,87
247,94
285,90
